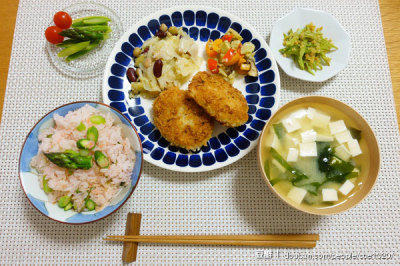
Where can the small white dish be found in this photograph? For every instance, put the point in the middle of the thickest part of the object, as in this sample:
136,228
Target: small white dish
299,18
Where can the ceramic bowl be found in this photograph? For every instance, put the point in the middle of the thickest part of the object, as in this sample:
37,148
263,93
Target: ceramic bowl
29,177
369,171
299,18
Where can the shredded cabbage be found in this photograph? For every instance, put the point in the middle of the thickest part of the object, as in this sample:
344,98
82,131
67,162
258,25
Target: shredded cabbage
179,54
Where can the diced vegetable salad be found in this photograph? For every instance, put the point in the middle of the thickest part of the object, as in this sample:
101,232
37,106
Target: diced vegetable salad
308,48
312,159
228,57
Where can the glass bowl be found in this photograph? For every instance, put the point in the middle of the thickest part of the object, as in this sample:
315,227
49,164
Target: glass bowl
93,62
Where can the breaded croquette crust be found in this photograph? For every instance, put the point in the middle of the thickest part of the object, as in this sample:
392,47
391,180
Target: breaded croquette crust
181,120
219,98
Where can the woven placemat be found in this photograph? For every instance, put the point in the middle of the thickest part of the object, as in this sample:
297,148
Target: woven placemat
232,200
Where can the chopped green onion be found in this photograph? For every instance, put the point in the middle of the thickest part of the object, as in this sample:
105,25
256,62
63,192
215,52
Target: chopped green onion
297,174
97,119
64,201
279,130
81,127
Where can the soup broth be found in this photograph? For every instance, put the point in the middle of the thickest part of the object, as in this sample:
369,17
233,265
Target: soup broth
314,154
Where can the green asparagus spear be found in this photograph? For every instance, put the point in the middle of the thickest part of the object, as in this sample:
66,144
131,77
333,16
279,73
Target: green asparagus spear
81,127
100,28
97,119
83,35
85,144
68,43
84,152
46,187
101,159
64,201
90,204
96,21
88,48
73,49
92,134
90,17
70,161
68,207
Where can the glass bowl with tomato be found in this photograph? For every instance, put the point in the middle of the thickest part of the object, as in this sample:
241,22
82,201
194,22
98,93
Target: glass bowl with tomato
80,38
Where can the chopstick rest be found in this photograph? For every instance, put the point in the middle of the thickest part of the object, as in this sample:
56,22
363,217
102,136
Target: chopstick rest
130,249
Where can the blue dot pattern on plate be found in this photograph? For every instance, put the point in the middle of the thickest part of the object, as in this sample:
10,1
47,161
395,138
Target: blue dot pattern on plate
259,92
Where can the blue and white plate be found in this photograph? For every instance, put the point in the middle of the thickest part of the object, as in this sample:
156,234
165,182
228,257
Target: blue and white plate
30,180
227,144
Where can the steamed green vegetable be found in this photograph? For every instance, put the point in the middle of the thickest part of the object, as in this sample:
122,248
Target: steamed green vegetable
101,159
73,49
69,160
83,35
88,48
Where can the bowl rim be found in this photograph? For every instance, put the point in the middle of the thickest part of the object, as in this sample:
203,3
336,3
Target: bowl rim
48,113
309,79
261,167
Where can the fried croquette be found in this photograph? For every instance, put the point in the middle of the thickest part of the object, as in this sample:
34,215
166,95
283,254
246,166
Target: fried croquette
220,99
181,120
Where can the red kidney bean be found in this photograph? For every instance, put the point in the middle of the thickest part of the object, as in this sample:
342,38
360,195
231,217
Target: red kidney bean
131,73
157,68
161,34
145,50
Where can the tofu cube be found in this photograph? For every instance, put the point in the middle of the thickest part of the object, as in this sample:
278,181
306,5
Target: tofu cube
354,147
276,143
297,194
293,155
329,194
342,152
308,149
291,124
295,141
346,187
311,112
278,165
320,120
337,127
343,137
323,138
309,136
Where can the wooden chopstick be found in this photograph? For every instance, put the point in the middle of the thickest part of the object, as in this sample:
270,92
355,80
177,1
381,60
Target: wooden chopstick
226,237
221,240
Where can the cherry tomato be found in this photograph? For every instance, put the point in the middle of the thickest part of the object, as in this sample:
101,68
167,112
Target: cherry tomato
227,38
213,66
52,36
62,20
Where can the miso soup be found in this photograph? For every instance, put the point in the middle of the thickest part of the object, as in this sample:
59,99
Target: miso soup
314,154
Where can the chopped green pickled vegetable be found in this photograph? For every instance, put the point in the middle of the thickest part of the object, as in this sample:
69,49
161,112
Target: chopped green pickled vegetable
73,49
97,119
101,159
46,187
92,134
64,201
68,207
81,127
84,152
308,48
85,144
279,130
90,204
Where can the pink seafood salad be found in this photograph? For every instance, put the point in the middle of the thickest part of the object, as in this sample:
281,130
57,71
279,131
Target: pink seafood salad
84,160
